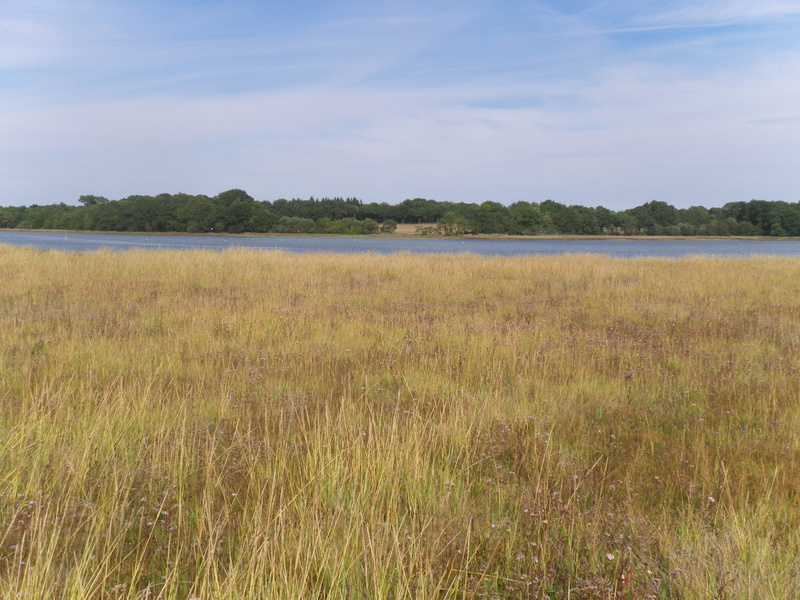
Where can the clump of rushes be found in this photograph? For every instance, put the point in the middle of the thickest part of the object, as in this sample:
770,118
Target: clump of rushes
269,425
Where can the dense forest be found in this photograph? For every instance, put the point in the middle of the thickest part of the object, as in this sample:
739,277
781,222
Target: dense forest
235,211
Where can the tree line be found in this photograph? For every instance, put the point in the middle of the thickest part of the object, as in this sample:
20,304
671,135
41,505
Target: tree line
235,211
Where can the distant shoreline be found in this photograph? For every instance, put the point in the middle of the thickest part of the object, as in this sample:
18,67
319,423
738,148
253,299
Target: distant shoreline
476,237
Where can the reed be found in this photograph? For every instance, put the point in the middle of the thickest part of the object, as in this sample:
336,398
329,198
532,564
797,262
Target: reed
239,425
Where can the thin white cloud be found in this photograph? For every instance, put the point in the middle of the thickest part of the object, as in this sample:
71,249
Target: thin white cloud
25,43
400,102
716,13
633,138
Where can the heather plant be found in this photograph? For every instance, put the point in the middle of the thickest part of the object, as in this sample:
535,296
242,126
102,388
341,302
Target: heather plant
270,425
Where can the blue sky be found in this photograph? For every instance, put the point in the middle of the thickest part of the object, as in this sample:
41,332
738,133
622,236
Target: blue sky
611,103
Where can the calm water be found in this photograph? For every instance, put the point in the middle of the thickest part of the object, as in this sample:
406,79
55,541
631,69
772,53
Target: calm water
87,242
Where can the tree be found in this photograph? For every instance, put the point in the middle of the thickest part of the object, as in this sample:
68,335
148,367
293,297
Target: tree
388,226
654,214
92,200
527,219
231,196
420,210
294,225
490,218
694,216
262,219
628,223
196,213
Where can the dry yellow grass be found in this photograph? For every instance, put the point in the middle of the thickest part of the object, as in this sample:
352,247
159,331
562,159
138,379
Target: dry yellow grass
269,425
411,228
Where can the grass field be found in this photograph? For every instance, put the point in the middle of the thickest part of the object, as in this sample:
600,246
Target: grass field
411,228
243,425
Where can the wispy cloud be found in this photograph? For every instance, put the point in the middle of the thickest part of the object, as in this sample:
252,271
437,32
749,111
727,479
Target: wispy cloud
464,101
723,13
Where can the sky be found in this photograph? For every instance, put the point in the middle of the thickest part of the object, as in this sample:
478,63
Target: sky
597,103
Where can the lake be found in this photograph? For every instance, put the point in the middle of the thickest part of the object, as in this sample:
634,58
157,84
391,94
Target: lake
622,248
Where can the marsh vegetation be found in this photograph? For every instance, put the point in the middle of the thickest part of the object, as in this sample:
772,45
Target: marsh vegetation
268,425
